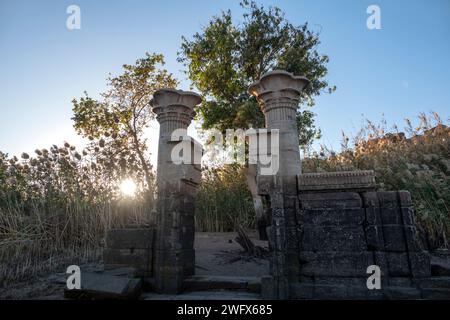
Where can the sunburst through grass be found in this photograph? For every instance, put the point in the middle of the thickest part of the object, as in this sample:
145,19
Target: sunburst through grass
128,187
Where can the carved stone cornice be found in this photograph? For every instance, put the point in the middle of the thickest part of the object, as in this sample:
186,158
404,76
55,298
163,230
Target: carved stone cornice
340,180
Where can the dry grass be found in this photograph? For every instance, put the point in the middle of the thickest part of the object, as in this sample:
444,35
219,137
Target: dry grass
55,209
224,200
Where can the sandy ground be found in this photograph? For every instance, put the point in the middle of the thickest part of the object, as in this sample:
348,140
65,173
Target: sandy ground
216,254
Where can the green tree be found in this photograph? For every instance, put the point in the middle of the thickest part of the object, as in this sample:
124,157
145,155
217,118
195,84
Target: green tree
225,58
116,123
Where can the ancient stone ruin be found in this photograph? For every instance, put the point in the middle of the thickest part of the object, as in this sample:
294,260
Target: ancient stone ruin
326,229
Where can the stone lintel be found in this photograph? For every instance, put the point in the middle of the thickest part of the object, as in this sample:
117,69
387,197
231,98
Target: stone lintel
333,181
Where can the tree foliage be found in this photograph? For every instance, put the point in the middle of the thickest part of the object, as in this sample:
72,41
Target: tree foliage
116,123
226,57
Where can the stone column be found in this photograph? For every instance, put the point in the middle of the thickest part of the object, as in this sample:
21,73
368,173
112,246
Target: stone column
278,93
177,184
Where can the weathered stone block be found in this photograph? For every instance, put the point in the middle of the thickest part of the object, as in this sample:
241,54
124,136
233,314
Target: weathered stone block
331,217
342,281
373,215
290,202
188,261
330,292
440,266
169,272
436,294
292,235
277,264
188,187
332,263
188,208
331,200
342,180
413,241
339,292
433,282
391,215
420,264
102,286
289,185
394,238
274,287
130,238
265,184
388,199
400,282
404,198
401,293
407,215
398,264
374,237
292,267
333,238
370,199
140,259
208,283
301,291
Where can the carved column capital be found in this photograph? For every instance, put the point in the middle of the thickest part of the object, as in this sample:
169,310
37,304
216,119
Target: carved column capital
174,109
278,94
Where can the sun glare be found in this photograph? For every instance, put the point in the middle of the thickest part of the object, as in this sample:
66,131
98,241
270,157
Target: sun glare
128,187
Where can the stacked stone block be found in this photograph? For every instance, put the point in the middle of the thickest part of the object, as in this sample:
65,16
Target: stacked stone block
130,247
393,238
328,228
278,94
343,233
324,252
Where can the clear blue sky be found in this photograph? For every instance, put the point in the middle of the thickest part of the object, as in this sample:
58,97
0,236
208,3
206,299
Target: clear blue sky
400,70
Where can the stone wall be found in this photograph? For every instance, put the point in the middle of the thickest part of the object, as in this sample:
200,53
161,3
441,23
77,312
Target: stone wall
328,228
322,243
342,233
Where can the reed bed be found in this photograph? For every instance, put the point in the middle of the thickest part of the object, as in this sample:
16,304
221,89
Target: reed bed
55,208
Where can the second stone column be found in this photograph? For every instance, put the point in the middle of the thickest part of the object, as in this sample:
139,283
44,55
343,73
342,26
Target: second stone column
178,175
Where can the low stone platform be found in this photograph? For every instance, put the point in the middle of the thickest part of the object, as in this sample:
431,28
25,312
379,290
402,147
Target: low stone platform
225,295
97,286
211,283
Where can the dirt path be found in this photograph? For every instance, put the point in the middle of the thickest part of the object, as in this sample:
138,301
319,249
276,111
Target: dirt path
218,254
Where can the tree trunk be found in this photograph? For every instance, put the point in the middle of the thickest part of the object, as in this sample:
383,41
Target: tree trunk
142,159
